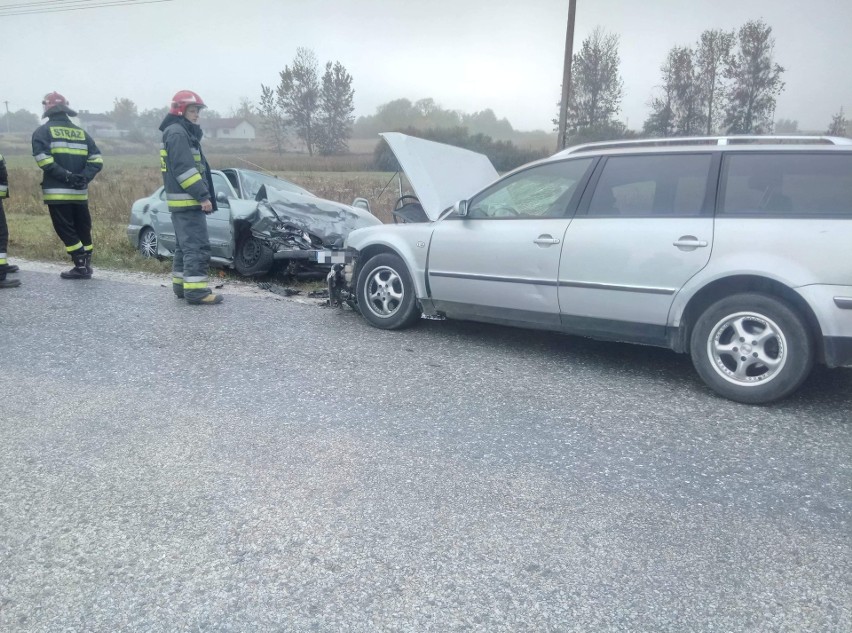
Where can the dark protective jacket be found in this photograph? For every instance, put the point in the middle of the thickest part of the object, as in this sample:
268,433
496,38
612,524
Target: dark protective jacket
186,174
64,151
4,179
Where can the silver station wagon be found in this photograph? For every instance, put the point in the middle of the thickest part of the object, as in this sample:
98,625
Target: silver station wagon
733,250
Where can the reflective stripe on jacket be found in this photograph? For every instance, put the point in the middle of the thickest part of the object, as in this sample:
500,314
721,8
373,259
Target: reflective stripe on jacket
4,179
185,171
62,149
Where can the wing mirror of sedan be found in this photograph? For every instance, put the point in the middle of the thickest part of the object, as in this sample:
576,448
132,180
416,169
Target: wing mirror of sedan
222,198
362,203
460,208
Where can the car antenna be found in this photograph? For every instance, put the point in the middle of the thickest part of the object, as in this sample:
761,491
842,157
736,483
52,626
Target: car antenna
258,167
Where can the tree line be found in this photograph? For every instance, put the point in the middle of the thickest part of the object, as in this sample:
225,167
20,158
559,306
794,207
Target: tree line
317,110
726,82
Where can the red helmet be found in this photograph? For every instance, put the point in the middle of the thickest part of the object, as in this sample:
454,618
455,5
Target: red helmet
55,102
185,98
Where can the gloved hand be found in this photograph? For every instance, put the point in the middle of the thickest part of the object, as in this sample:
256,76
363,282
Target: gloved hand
78,181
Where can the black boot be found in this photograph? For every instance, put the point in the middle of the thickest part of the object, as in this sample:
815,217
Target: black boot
8,268
80,271
89,268
8,283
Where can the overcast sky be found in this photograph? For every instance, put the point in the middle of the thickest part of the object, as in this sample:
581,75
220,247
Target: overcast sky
468,55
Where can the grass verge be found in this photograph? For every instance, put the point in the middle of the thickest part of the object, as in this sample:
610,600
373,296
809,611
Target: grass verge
128,178
33,237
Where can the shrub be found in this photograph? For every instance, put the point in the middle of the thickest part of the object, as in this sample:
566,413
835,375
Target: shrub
503,154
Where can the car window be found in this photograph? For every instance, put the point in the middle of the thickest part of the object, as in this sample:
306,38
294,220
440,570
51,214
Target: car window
253,181
231,175
542,191
651,186
787,184
220,185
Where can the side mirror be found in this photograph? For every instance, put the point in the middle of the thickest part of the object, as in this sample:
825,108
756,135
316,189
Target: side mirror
222,198
460,208
362,203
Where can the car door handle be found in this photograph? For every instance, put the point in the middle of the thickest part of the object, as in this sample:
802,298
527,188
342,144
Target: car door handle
689,241
546,240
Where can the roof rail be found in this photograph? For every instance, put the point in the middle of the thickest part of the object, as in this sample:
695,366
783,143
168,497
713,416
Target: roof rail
708,140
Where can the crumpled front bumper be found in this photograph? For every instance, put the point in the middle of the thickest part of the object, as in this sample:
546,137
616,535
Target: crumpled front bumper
341,276
318,256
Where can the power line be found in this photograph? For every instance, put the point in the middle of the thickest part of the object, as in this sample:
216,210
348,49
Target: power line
56,6
28,5
34,8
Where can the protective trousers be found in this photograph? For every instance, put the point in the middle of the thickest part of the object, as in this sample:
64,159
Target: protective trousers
192,254
4,235
73,225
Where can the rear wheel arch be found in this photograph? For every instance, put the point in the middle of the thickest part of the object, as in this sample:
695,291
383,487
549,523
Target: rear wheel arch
752,347
721,288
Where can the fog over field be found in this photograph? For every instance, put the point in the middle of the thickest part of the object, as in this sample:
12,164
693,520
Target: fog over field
467,55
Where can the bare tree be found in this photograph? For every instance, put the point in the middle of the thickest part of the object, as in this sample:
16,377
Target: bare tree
298,95
689,115
597,87
20,121
246,110
272,118
786,126
124,113
712,56
335,111
680,110
838,124
661,121
755,81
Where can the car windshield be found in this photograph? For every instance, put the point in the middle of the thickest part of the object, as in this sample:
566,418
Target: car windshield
253,181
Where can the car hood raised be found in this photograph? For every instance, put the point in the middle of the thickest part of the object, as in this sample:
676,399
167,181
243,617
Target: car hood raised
330,221
440,174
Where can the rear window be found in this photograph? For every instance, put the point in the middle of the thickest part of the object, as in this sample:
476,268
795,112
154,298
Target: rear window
652,186
788,185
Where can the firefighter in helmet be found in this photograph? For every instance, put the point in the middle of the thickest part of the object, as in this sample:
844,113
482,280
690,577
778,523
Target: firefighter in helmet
70,160
189,195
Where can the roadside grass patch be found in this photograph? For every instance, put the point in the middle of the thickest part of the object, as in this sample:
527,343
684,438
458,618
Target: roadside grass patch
128,177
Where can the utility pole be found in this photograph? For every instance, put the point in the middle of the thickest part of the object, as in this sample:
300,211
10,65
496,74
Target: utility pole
566,75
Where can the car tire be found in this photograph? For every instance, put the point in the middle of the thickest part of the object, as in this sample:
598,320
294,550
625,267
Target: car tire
385,293
752,348
148,243
252,257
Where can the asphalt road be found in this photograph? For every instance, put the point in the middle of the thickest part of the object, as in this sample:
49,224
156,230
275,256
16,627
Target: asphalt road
270,465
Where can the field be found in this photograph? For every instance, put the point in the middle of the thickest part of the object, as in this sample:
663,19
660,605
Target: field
128,177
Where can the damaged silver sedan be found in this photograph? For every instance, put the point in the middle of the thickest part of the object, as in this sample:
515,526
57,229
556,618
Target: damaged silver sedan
261,222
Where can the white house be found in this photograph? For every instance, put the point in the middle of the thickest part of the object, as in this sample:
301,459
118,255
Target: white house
236,129
100,125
